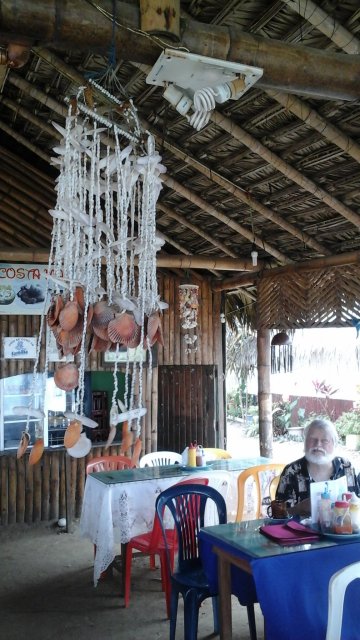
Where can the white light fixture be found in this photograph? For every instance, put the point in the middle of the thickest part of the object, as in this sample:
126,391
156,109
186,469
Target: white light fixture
200,82
254,256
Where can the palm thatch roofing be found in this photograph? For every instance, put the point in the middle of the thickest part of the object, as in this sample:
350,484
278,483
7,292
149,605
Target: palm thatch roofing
277,169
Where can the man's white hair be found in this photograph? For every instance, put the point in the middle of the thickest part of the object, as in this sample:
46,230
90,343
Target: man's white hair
326,425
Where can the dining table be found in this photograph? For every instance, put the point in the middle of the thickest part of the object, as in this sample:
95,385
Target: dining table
118,505
289,581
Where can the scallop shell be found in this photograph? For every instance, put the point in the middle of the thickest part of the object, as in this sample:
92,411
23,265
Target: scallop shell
56,306
67,377
102,314
101,331
135,340
79,296
122,328
69,315
72,433
24,443
153,323
99,345
36,452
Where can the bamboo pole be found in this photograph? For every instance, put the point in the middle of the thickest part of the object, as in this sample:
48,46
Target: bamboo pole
24,142
4,500
289,67
242,196
20,491
152,446
278,163
216,213
341,259
29,492
45,494
325,23
12,488
37,493
38,175
264,395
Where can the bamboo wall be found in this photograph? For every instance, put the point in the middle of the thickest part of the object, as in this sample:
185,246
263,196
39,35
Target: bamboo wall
30,494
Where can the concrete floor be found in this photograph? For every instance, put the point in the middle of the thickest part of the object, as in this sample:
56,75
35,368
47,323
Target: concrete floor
46,593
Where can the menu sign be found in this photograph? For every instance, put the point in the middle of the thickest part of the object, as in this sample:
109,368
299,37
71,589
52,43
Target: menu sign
23,288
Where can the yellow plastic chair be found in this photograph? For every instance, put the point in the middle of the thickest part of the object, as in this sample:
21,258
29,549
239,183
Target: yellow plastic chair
212,453
273,486
254,485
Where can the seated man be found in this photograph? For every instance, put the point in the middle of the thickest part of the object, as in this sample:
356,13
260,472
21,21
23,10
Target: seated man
318,464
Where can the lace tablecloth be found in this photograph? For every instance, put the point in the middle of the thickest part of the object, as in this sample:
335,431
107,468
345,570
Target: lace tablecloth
114,513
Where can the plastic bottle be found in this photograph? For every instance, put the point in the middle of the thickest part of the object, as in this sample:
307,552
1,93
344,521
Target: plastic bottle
192,455
325,514
355,513
342,519
199,456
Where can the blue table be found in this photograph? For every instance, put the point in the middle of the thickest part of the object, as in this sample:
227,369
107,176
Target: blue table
289,582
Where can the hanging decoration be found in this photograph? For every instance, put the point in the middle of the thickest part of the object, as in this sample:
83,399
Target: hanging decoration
102,286
188,307
281,353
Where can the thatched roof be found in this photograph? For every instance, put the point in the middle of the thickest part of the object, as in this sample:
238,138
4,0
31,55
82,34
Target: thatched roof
278,168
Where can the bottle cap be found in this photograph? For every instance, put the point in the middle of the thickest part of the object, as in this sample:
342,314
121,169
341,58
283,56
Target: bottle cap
341,504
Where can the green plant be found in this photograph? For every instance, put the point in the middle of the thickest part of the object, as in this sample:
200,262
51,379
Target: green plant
348,423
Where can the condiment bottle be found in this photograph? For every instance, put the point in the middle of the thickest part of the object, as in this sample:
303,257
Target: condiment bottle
325,515
355,513
199,456
342,519
192,455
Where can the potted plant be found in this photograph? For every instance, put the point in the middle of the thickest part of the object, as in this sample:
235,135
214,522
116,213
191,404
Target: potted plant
348,428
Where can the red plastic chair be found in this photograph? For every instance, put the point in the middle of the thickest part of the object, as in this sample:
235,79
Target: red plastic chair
152,543
109,463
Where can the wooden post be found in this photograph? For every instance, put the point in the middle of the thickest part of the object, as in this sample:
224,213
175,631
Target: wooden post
264,395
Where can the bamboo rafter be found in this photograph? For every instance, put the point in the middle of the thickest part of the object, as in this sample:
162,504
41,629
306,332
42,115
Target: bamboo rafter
322,298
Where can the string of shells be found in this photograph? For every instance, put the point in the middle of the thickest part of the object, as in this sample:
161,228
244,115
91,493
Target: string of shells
102,286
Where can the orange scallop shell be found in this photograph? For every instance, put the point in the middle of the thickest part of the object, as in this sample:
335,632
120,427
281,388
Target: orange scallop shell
67,377
72,434
153,323
122,328
23,445
36,452
69,315
135,340
126,442
79,296
136,452
98,344
56,306
102,314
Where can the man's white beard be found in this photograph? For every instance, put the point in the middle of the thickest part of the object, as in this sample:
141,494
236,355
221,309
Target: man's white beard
315,458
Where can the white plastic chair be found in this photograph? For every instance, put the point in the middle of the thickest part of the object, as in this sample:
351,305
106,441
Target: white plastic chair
160,459
337,587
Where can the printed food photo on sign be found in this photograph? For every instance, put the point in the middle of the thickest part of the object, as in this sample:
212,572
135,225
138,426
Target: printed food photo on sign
31,294
7,294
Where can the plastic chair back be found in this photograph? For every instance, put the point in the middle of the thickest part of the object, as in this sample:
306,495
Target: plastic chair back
109,463
337,587
211,453
273,486
261,476
160,459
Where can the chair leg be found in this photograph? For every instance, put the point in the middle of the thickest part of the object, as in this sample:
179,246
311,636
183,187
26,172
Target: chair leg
127,583
165,581
215,608
152,561
191,614
173,611
251,621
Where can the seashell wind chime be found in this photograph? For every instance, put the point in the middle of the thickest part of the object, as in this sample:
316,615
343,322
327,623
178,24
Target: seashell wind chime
188,307
102,287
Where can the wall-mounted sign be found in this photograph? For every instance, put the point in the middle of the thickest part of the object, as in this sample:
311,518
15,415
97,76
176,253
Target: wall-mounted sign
124,355
22,288
19,348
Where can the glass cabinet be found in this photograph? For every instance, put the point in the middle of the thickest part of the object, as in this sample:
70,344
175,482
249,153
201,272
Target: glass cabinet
18,391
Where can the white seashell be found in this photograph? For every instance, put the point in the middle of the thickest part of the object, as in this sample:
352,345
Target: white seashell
132,414
28,411
87,422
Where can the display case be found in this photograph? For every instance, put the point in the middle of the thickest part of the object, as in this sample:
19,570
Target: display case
20,391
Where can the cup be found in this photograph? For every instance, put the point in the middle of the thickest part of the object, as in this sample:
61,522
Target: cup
277,509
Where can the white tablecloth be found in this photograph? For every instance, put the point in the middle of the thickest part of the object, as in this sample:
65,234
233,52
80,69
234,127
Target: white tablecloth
114,513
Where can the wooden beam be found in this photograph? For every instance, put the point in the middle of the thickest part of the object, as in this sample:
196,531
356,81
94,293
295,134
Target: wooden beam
162,260
231,284
79,25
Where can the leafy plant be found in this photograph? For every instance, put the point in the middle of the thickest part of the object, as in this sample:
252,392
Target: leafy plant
348,423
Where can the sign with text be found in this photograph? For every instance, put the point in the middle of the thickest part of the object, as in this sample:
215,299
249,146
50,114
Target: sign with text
15,348
23,288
